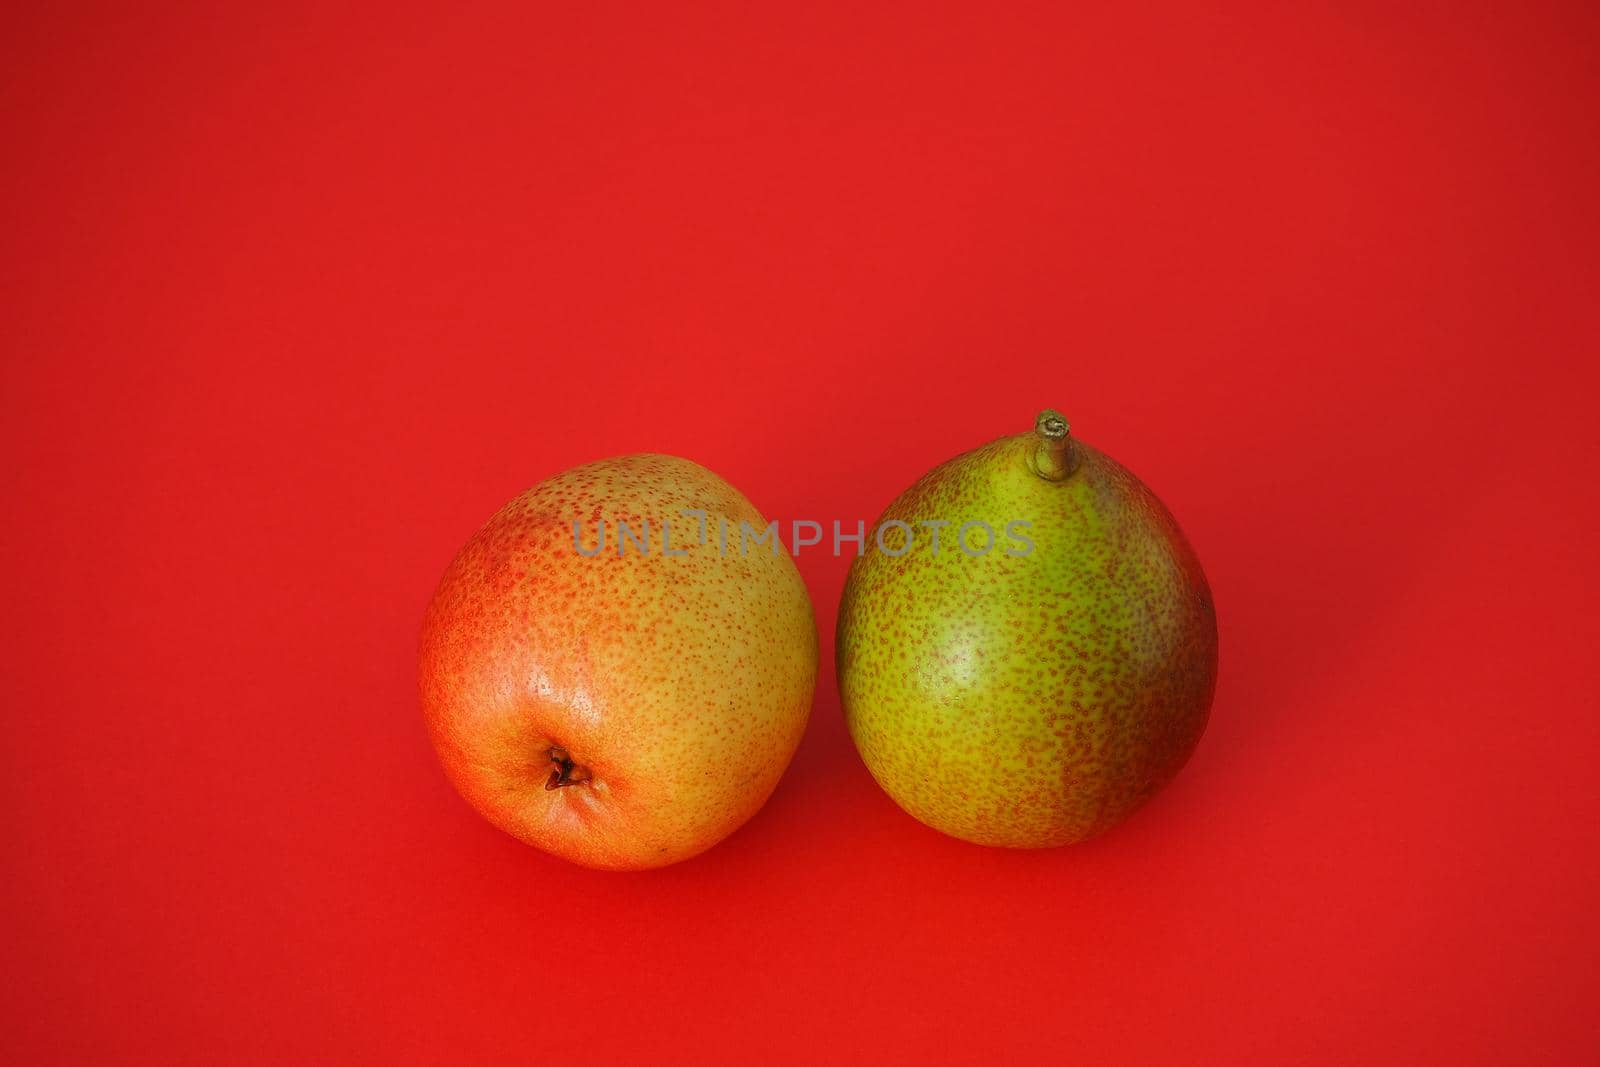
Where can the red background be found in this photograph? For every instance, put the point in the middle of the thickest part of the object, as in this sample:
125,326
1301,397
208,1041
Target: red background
294,298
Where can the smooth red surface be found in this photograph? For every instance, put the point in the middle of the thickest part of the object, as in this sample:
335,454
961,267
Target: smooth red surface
295,298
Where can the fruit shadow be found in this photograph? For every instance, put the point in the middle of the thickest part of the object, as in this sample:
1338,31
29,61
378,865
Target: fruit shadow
1309,562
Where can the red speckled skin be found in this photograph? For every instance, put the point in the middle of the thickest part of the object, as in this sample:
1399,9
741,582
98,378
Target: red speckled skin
679,686
1036,700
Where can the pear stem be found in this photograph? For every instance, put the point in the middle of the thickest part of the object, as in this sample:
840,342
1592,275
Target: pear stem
1053,458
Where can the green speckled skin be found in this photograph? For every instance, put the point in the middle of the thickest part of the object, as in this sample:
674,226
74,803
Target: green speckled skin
1028,700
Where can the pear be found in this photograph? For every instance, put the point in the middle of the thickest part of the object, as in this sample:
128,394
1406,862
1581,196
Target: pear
611,672
1028,651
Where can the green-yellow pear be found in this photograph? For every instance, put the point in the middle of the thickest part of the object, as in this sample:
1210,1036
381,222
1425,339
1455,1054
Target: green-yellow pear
1035,692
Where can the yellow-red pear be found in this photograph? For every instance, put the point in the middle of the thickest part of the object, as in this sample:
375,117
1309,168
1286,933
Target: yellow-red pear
628,702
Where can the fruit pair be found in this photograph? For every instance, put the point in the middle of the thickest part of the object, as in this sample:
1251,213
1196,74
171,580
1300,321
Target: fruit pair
628,703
